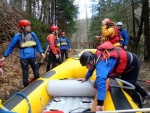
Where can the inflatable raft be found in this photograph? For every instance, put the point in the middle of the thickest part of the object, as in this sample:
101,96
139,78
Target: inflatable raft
58,91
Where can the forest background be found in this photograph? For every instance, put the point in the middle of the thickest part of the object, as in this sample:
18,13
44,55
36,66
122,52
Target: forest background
44,13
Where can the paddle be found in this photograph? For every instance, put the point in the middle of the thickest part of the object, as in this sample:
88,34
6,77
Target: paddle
147,81
40,63
121,111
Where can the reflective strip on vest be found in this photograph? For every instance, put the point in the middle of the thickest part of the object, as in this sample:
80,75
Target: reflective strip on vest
63,42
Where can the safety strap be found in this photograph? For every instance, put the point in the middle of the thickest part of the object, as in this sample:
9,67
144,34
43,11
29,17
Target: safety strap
97,60
107,51
103,54
118,59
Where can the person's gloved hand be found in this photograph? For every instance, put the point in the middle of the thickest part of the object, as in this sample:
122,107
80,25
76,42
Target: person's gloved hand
100,108
97,37
69,50
43,55
125,47
1,73
82,79
2,59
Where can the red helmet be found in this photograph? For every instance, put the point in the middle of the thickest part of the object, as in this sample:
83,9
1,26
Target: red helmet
23,23
63,33
53,28
107,20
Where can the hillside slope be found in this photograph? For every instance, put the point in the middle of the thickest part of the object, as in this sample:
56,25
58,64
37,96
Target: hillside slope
9,18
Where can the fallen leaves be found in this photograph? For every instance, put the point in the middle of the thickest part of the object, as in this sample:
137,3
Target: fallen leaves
13,74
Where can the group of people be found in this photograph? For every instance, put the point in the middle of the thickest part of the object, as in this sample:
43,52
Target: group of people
114,33
113,60
29,46
110,59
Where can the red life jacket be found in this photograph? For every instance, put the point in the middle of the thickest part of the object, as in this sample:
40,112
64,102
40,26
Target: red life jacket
116,37
107,50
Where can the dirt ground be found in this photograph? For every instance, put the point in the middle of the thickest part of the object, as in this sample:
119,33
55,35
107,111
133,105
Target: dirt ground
145,75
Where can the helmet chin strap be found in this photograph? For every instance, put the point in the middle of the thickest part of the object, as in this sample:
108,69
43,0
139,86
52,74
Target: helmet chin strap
93,64
55,32
23,30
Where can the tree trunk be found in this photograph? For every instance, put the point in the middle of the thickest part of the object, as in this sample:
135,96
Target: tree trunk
146,29
134,36
139,33
42,9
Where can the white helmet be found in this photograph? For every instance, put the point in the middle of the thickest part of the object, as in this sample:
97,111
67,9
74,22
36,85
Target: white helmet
119,24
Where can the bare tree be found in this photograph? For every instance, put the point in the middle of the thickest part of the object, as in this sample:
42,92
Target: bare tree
146,29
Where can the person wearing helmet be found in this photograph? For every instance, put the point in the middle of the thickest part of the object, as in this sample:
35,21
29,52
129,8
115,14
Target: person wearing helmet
110,32
110,61
65,46
29,45
54,46
124,35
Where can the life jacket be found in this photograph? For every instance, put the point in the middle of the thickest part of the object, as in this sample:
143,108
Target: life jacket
63,42
27,41
107,50
116,37
57,42
54,43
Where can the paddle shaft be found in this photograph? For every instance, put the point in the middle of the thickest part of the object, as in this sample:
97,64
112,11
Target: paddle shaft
147,81
125,111
122,111
45,53
32,80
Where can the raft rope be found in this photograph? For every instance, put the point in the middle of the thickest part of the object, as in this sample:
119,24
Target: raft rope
24,96
130,86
